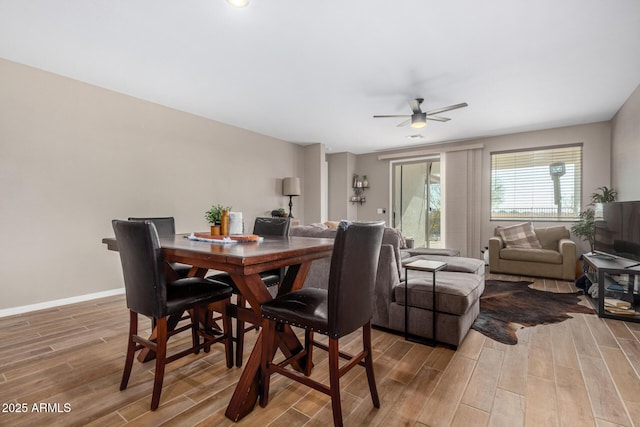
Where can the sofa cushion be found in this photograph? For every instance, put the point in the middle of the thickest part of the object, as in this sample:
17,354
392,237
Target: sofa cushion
459,264
404,254
550,236
433,251
455,292
547,256
519,236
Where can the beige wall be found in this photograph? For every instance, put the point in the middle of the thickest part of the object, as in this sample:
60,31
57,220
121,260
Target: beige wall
314,185
341,170
625,149
74,156
379,192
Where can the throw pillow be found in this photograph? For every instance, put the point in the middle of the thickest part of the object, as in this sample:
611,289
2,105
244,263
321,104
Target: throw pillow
550,236
520,236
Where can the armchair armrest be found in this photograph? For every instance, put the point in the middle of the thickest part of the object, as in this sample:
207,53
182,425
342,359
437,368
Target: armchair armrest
567,247
495,244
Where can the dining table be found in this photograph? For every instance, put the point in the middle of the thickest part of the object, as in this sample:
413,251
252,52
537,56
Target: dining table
244,262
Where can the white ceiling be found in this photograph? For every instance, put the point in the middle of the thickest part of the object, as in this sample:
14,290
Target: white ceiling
317,70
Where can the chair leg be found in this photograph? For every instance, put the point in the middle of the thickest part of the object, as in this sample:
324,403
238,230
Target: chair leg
240,301
131,349
161,358
194,313
334,381
228,331
268,338
308,345
224,308
368,364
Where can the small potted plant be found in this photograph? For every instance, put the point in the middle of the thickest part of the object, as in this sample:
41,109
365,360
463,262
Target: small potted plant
606,195
214,216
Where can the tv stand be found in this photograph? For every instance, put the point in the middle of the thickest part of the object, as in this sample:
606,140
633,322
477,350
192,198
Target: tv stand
600,255
617,280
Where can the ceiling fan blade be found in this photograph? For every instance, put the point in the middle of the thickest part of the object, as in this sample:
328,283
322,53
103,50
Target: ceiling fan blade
393,115
438,119
415,105
449,108
406,122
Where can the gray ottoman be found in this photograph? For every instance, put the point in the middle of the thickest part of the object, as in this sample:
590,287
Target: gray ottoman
458,290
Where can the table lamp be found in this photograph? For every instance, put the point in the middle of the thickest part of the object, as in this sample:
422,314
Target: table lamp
291,187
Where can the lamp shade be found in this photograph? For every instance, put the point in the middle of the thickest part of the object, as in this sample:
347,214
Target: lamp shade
291,186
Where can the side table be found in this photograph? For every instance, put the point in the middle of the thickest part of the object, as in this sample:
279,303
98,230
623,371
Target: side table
428,266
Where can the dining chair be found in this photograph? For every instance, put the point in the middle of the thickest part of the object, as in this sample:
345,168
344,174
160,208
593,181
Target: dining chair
345,306
166,227
262,226
148,293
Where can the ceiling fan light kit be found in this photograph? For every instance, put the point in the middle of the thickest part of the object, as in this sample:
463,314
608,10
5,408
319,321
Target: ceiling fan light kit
418,120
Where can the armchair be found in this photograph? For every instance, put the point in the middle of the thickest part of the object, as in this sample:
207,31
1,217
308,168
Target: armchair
555,256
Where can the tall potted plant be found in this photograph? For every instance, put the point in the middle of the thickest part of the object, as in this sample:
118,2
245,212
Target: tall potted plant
585,228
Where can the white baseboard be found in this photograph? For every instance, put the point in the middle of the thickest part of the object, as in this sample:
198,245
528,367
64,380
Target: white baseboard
49,304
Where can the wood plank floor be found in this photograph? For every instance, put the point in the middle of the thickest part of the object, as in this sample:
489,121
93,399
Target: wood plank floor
584,371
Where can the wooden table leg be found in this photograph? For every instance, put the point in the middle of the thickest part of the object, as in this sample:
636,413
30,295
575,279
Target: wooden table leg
248,390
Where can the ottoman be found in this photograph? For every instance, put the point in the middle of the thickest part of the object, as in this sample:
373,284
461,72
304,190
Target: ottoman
458,290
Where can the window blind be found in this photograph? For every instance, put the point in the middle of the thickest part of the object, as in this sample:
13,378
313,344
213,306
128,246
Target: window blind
541,184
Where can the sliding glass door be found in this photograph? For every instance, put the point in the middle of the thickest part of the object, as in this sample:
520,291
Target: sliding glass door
416,201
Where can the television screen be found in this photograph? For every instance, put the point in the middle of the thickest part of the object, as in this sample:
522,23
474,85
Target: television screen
618,230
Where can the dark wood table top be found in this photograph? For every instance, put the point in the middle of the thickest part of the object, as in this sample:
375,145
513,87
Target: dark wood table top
242,258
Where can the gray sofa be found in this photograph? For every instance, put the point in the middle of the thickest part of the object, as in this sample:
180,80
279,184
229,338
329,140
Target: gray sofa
458,288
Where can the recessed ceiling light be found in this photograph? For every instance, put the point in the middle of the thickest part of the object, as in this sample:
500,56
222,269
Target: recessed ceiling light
239,3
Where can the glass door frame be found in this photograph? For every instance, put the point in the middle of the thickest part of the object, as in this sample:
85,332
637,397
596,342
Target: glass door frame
392,193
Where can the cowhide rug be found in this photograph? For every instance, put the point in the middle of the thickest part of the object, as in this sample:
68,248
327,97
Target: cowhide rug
508,306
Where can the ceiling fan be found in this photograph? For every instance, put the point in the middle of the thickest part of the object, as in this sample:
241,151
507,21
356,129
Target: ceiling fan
419,119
